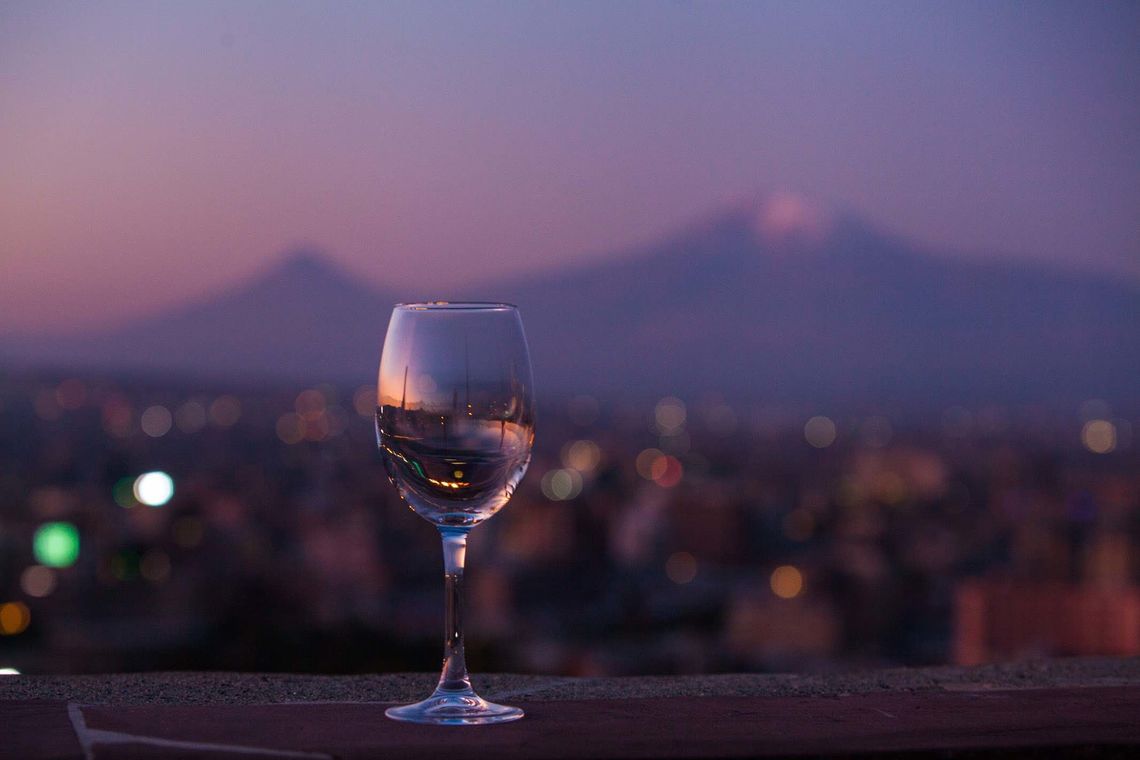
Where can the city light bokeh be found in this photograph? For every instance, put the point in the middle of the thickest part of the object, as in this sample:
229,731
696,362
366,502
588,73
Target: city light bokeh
154,489
56,544
688,534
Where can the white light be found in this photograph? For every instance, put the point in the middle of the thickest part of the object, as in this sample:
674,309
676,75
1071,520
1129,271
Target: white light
820,432
561,485
9,672
156,421
154,488
670,415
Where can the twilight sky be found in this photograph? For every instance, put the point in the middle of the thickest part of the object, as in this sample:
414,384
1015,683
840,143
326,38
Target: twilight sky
152,152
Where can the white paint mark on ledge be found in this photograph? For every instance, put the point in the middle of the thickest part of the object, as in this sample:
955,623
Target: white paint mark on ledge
89,737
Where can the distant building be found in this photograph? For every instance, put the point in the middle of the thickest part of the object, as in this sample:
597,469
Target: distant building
998,620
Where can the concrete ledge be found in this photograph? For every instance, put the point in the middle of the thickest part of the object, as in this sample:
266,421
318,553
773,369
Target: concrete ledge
1084,708
254,688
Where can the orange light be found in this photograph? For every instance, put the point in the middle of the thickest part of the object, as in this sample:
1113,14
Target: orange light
453,484
582,456
15,617
290,428
645,462
364,400
1099,436
310,404
787,582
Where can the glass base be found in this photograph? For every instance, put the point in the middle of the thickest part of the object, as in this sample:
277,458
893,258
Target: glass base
454,708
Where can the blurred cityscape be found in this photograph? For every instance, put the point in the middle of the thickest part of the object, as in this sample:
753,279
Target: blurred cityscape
147,524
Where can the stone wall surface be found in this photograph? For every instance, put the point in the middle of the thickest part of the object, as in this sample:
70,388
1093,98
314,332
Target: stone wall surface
250,688
1084,708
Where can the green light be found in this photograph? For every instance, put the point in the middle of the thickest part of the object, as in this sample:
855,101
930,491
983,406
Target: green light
123,492
56,544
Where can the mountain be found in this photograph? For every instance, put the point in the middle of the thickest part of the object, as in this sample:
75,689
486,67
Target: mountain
782,300
777,299
302,319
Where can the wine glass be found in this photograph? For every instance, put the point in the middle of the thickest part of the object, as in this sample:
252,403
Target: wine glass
455,425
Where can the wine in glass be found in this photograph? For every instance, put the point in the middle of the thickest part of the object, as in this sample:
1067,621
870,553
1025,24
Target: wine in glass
455,425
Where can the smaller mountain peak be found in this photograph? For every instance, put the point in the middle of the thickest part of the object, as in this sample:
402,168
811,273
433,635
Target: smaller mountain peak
306,260
305,266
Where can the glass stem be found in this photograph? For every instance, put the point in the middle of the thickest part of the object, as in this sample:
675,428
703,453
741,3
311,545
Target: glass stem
454,676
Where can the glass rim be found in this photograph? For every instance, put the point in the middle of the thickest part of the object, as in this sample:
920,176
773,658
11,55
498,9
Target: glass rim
456,306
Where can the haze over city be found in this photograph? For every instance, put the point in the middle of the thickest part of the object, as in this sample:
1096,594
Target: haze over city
153,154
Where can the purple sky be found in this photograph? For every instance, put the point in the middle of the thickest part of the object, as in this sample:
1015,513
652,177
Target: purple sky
150,152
